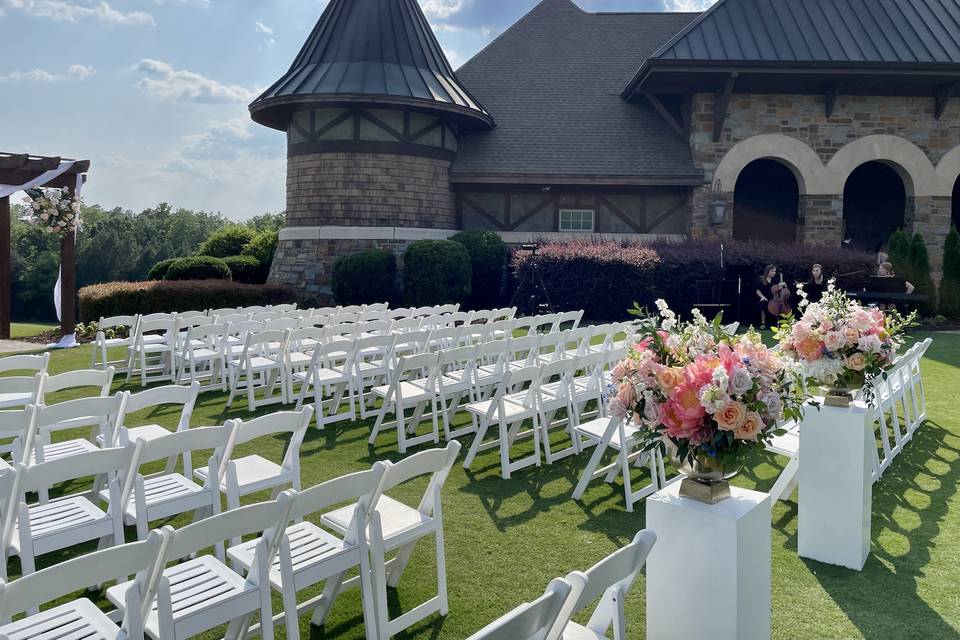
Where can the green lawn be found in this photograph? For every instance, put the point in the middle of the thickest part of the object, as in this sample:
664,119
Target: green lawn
29,329
507,539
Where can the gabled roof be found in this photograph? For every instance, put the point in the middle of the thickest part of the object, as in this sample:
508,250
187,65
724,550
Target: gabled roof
553,81
821,33
370,52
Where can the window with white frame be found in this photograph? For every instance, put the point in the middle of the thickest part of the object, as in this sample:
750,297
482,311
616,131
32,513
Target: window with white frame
576,219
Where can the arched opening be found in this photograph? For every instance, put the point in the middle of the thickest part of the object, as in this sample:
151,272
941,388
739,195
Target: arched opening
874,205
765,202
955,218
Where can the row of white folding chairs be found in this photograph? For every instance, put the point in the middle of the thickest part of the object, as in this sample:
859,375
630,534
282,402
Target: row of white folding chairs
898,393
201,592
549,616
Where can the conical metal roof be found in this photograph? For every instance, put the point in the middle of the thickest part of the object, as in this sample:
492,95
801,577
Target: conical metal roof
370,53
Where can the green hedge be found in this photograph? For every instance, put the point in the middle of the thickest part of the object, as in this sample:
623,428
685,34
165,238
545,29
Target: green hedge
367,277
229,241
127,298
159,270
436,272
198,268
488,256
247,269
950,284
262,247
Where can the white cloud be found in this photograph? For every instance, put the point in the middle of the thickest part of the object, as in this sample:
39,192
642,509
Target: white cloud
688,5
42,76
73,11
161,80
259,27
231,140
442,9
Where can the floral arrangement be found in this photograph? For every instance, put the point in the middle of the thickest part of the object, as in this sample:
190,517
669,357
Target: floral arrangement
55,210
840,343
707,393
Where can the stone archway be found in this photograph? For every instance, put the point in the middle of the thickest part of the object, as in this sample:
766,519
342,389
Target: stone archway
796,155
874,204
766,202
917,173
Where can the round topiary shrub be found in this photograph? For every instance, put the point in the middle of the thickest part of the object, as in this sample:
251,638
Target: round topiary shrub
367,277
436,272
159,270
198,268
228,241
262,247
247,269
488,254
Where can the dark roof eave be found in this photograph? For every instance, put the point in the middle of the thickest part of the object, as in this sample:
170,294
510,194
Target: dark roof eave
273,112
650,66
693,179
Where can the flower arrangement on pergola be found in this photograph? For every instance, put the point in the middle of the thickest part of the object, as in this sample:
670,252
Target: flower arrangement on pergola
53,185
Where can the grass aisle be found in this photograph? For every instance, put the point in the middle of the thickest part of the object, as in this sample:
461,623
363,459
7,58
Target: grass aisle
507,539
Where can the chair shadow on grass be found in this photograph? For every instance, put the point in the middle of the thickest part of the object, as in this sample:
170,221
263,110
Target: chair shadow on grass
881,597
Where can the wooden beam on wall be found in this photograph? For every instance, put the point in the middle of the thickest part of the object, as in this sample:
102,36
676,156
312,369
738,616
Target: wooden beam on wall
942,99
5,272
830,99
665,114
720,104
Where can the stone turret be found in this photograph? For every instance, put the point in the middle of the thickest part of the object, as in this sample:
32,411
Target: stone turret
373,113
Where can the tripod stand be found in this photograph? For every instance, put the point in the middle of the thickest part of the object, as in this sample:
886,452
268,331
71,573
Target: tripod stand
531,275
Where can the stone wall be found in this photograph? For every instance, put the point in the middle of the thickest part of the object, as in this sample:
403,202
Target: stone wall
373,190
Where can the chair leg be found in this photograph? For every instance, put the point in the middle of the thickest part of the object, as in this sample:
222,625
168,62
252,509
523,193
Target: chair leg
291,620
441,572
477,441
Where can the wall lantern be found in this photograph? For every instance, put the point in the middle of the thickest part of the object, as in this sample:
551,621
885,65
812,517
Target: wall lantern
718,206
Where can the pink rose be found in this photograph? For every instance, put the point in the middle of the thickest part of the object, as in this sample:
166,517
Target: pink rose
751,427
625,394
856,361
731,417
670,378
834,340
851,335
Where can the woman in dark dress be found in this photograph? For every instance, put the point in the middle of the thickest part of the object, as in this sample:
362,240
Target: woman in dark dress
816,285
764,290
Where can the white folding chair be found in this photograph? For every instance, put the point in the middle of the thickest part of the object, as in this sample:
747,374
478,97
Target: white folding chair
918,394
524,351
99,357
190,315
223,311
152,404
471,335
19,391
15,432
258,367
402,312
185,323
241,476
99,414
481,316
553,397
372,359
511,406
237,335
411,343
576,342
443,338
542,619
310,555
610,580
81,618
447,308
202,356
501,329
148,497
551,347
613,433
265,316
201,593
154,348
36,529
455,384
328,375
285,308
506,313
397,526
572,318
88,379
412,385
298,354
25,363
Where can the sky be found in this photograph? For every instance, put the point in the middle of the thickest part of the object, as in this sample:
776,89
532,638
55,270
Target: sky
155,92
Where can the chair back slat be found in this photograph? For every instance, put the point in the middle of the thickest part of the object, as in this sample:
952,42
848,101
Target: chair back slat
619,568
326,494
36,363
79,379
534,620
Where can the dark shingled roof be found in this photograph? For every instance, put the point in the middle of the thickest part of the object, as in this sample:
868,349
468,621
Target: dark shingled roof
838,31
372,52
553,83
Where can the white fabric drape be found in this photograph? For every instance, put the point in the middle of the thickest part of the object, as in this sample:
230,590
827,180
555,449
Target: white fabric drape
10,189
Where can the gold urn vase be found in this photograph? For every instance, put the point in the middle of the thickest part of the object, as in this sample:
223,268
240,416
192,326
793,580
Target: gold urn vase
706,479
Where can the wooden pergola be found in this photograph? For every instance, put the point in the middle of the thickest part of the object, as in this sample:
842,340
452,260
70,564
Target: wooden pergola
19,169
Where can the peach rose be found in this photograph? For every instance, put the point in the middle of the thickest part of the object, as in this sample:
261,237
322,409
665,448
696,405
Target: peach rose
731,417
626,395
809,348
751,427
834,340
670,378
857,361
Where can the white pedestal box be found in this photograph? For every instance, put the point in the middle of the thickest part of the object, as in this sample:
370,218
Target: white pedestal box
836,489
708,575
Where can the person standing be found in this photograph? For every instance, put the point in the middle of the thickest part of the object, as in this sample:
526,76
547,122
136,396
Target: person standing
816,285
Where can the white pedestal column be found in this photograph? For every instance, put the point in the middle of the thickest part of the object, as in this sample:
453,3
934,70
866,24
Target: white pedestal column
836,489
708,575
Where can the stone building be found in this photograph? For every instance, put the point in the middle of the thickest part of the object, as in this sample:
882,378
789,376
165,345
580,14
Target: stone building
818,122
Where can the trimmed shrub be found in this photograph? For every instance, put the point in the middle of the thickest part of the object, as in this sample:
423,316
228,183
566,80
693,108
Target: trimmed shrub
247,269
436,272
159,270
488,255
950,284
920,275
127,298
263,247
228,241
606,278
367,277
899,253
198,268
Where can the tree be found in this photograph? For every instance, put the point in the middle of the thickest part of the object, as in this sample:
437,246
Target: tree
899,253
228,241
950,284
920,274
267,222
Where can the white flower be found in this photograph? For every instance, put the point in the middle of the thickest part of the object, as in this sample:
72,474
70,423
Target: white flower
712,398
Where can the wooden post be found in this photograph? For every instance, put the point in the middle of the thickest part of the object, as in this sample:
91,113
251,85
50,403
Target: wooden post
5,272
68,284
